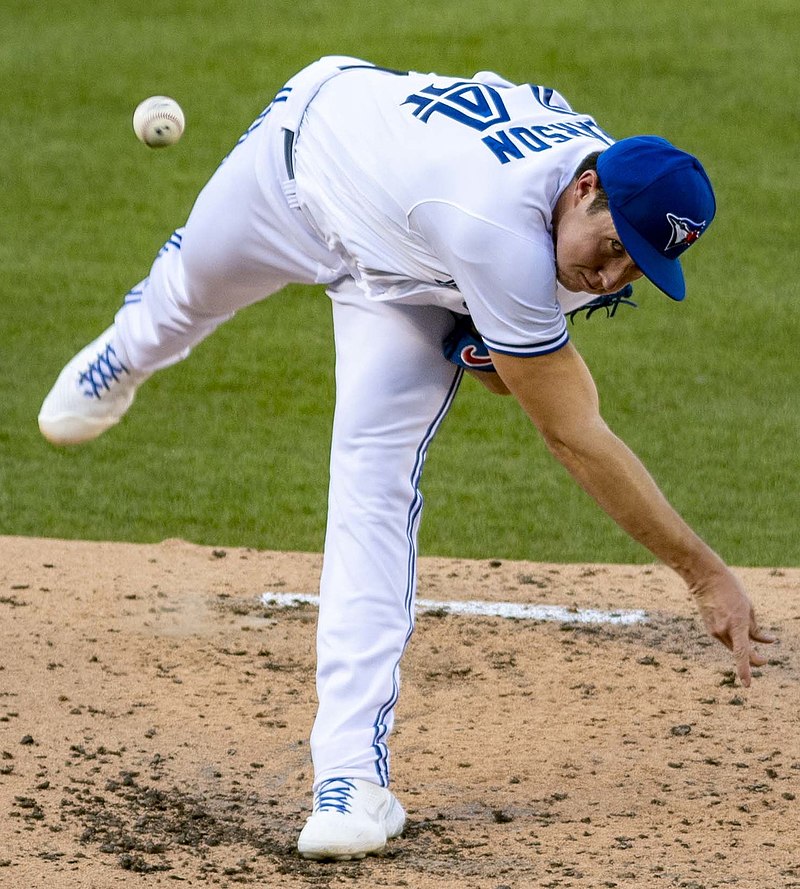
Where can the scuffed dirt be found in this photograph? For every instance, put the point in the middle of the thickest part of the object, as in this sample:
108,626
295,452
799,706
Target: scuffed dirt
154,718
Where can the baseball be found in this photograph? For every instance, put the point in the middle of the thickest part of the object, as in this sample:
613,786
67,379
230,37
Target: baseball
158,121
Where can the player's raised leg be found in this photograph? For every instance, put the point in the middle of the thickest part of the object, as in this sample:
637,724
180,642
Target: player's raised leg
241,243
393,389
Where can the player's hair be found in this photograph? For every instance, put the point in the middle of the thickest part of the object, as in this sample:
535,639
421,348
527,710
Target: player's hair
600,201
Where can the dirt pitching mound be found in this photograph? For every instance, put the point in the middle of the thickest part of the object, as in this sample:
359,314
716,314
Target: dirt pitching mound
154,717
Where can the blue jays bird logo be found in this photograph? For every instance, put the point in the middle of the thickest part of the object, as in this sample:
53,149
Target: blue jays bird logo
684,231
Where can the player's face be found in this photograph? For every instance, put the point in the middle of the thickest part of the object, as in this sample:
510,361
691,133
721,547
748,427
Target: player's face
589,255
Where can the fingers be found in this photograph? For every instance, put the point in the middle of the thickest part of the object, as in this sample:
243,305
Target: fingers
742,653
756,633
745,660
746,655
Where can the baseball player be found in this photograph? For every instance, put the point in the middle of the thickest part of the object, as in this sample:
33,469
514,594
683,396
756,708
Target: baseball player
419,201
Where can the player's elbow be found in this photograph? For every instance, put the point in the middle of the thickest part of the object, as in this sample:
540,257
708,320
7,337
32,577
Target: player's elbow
561,448
575,445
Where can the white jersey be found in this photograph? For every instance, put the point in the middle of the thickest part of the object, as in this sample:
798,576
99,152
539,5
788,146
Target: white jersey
441,191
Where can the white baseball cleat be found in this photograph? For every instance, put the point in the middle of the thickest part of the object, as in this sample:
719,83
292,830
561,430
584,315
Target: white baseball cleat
92,393
351,818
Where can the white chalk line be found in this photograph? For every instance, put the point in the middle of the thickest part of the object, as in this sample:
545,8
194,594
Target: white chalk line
555,613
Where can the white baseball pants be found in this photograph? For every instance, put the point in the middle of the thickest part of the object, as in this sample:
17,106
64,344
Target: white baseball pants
241,243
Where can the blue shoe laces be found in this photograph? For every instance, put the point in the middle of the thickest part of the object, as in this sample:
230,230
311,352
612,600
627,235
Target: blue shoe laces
334,795
100,373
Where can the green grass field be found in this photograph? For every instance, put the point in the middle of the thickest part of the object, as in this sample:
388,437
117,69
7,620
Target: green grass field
230,447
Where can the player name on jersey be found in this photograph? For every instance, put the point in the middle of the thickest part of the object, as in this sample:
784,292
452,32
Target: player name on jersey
516,142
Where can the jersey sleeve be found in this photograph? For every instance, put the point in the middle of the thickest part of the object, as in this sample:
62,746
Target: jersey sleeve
507,281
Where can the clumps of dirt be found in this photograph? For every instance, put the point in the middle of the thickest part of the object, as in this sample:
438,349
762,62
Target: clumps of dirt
133,820
147,829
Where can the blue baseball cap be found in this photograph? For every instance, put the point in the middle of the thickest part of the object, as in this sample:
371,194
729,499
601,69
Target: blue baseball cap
661,201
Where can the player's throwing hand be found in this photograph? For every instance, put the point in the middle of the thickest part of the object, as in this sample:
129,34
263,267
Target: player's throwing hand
729,616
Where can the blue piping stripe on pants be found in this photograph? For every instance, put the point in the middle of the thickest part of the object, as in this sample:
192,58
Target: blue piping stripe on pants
379,741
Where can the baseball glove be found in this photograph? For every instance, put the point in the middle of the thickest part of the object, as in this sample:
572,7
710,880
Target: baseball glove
610,303
464,347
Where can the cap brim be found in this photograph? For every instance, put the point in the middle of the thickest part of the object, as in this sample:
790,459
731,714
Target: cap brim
666,274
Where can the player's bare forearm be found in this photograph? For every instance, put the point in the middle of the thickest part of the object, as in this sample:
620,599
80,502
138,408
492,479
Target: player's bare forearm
611,473
559,395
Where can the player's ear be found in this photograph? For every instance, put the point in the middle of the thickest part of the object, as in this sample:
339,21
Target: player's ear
586,185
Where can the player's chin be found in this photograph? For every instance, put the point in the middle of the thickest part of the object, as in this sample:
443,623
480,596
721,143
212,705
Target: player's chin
568,282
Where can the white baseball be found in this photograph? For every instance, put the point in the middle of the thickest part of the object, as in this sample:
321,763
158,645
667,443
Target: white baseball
158,121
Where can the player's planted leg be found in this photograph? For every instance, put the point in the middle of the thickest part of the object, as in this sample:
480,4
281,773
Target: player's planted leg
92,393
390,375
